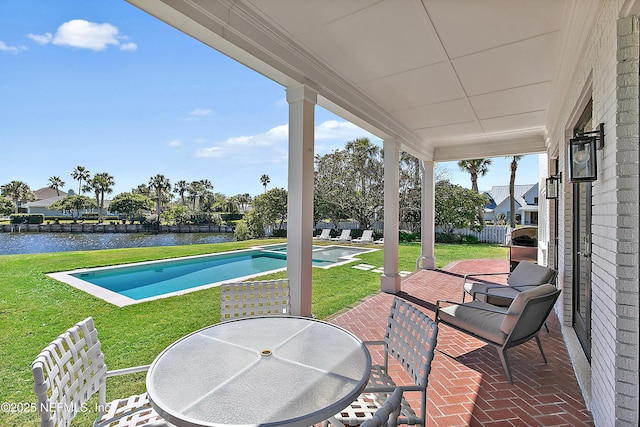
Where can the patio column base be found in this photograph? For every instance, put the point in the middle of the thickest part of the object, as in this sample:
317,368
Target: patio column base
426,263
390,283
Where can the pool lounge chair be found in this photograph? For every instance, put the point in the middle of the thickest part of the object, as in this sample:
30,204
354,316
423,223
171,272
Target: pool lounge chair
344,237
367,237
379,242
324,235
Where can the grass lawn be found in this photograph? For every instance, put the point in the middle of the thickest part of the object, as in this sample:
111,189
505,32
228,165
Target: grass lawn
35,309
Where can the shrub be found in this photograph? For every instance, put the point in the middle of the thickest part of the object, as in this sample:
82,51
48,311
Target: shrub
27,218
407,236
470,239
279,233
242,231
448,238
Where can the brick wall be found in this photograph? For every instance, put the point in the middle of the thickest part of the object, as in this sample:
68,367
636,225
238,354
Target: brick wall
608,72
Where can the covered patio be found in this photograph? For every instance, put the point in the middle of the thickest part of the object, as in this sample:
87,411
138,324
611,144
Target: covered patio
467,385
458,80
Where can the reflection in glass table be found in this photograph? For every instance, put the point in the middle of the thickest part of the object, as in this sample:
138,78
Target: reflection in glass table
271,371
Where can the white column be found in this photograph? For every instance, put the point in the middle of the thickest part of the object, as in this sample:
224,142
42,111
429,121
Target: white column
390,280
302,100
427,259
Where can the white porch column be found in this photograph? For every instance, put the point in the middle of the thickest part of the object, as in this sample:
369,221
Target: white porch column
390,280
302,100
427,259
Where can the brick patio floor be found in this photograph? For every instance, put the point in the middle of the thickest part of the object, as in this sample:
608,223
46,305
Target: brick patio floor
467,385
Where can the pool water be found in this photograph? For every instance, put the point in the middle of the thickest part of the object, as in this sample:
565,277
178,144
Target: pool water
128,284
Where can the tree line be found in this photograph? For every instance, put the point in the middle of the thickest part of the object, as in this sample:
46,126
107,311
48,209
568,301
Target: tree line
348,186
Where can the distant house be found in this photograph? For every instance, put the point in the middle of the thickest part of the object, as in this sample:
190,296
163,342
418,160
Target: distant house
48,193
45,197
41,206
526,203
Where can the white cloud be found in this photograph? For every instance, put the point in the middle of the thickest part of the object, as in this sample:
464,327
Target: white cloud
82,34
201,112
41,38
271,146
10,49
175,143
129,46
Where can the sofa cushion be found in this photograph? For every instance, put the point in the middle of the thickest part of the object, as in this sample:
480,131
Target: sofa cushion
528,273
519,302
482,323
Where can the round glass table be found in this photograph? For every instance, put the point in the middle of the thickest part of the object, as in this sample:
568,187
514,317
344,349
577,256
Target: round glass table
268,371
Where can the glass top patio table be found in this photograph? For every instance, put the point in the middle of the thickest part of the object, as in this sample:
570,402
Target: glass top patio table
267,371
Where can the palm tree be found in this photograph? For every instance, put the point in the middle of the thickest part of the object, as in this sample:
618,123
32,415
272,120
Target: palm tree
362,153
205,191
80,173
142,189
17,191
476,167
181,187
55,182
100,184
243,202
264,179
160,185
512,190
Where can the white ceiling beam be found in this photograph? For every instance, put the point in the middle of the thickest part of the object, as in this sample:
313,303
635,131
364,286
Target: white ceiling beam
515,146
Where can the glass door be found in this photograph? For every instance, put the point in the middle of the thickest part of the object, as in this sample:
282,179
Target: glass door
582,265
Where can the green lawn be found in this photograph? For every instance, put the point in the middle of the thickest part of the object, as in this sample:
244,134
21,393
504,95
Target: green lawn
34,309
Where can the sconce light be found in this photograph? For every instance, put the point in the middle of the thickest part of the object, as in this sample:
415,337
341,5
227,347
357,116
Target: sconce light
583,165
552,186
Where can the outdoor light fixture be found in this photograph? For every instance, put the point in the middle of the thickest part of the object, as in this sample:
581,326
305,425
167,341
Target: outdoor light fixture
553,186
583,166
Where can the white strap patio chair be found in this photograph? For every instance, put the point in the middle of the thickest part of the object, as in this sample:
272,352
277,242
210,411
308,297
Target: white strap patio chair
410,338
71,370
259,298
386,415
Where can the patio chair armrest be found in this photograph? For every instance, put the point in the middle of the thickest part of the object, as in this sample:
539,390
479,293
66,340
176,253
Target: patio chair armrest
126,371
446,302
374,342
492,309
390,388
471,275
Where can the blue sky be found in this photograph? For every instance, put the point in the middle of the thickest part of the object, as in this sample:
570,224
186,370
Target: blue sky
104,85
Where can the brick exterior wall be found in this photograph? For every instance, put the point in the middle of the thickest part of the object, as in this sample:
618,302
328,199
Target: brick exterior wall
608,73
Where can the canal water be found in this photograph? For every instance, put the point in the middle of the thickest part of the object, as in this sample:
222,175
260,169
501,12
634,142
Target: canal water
30,243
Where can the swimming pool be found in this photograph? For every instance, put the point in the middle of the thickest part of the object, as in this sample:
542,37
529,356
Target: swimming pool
133,283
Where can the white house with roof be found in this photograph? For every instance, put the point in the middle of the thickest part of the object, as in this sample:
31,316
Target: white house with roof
526,203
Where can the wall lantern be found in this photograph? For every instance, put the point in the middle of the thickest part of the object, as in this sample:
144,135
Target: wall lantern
553,186
583,166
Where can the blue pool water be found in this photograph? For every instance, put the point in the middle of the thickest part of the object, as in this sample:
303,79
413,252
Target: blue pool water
143,281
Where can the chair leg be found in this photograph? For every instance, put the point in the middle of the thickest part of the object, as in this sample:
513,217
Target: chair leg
502,352
540,347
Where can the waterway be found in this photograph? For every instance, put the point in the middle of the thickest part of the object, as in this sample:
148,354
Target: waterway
30,243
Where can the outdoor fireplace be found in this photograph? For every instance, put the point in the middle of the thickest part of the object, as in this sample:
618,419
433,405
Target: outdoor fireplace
523,246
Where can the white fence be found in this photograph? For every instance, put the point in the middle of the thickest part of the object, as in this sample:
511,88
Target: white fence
489,234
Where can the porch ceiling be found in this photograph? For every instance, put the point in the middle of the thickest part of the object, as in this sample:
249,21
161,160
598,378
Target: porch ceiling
449,80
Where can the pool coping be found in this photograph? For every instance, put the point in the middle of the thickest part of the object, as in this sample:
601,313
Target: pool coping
120,300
